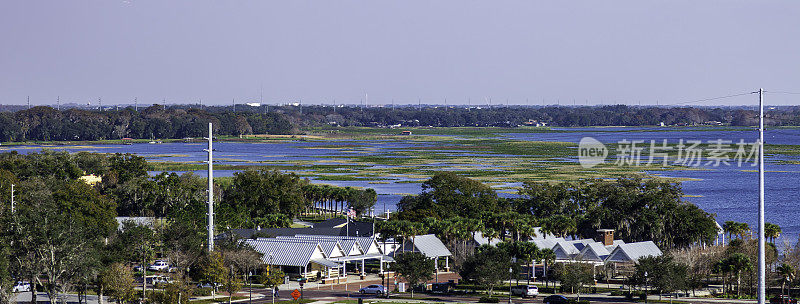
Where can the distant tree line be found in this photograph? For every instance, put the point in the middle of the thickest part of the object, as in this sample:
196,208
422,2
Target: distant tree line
502,116
181,121
155,122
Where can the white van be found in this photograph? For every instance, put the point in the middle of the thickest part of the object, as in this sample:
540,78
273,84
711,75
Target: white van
525,291
21,287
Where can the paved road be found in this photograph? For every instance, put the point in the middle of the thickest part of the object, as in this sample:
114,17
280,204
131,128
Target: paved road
331,293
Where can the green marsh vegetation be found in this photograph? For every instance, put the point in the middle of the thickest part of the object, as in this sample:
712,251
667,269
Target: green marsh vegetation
480,153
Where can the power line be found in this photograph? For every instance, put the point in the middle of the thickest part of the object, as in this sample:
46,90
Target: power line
783,92
712,98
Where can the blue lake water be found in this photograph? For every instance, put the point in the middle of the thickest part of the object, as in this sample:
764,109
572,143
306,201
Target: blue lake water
731,192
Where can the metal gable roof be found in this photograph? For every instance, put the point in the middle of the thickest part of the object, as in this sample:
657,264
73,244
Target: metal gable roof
366,244
594,252
285,253
632,252
565,251
547,243
429,245
329,247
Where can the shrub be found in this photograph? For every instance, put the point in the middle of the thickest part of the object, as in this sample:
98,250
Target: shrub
203,292
488,300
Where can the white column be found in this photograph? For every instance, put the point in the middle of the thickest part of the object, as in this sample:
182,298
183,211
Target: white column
210,189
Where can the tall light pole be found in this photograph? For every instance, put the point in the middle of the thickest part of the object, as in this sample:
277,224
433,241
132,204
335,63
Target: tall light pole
761,239
210,151
510,278
12,199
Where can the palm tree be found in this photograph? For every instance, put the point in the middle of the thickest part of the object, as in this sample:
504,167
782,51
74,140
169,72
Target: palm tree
722,268
560,225
744,229
786,272
548,256
737,263
528,252
729,227
772,232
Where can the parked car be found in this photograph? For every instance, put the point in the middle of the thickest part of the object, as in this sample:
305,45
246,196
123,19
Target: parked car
446,287
158,266
373,289
161,280
525,291
21,287
782,299
209,285
555,299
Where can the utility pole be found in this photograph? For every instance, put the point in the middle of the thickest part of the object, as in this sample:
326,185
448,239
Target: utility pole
12,198
29,102
210,151
136,104
761,238
100,103
58,103
234,104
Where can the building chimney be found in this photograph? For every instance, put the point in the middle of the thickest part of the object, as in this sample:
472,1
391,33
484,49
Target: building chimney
605,236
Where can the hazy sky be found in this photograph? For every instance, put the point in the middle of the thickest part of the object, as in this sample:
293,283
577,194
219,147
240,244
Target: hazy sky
318,51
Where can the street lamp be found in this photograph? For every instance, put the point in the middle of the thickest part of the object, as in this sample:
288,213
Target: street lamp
269,276
645,286
250,286
510,278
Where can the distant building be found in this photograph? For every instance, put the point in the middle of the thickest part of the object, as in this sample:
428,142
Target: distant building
601,250
327,258
136,220
534,123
